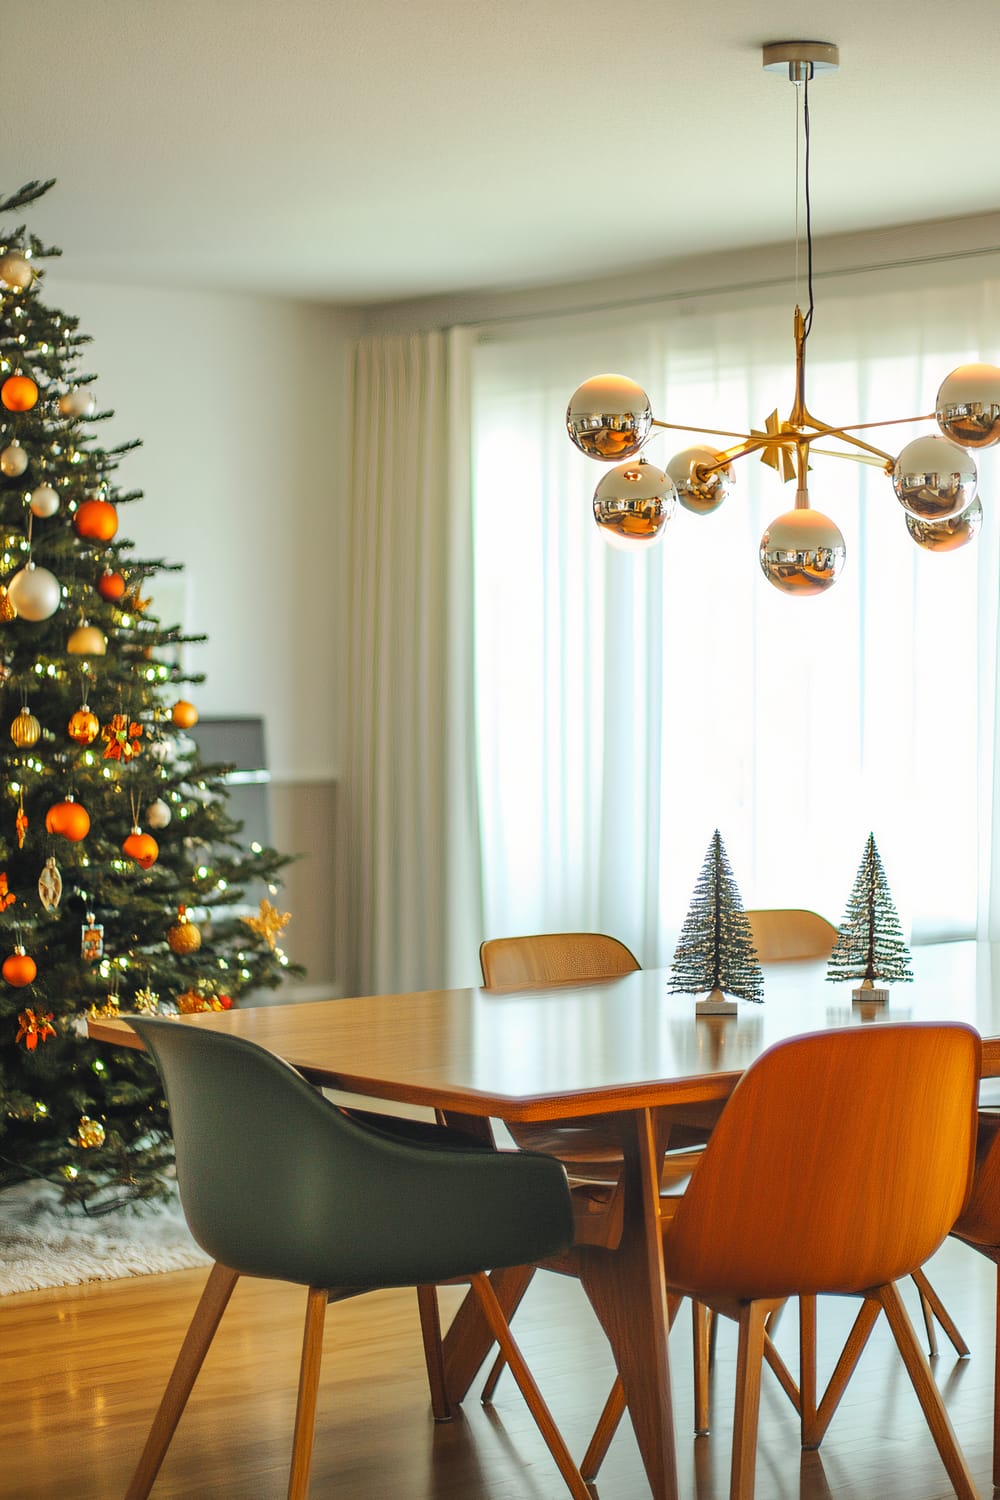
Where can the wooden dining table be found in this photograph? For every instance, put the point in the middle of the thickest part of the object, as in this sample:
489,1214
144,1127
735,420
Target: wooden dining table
623,1052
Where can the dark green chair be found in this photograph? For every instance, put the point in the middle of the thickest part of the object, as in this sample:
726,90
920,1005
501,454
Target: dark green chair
276,1181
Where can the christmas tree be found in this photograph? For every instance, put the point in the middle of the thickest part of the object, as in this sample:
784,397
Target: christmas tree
870,942
121,872
715,951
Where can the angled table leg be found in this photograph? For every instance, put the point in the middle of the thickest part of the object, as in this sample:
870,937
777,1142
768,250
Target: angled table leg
627,1290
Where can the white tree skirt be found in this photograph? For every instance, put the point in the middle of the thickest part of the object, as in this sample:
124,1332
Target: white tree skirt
44,1243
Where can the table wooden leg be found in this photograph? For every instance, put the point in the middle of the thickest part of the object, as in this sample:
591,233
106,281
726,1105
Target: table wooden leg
627,1290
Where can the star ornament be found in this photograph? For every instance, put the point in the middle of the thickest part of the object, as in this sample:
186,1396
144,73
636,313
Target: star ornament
269,923
775,455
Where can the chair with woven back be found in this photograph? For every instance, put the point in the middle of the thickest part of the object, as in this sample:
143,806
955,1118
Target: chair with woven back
796,1196
278,1182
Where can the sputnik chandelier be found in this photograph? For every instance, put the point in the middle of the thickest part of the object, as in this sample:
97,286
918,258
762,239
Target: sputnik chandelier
802,552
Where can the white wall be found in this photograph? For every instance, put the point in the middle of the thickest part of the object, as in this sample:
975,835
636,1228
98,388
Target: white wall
241,406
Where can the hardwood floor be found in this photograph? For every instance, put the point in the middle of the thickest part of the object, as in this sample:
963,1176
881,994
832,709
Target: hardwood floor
82,1369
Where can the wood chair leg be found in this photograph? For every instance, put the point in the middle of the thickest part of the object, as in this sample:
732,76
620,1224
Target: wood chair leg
928,1394
749,1363
814,1432
496,1370
932,1307
499,1327
430,1329
702,1323
807,1370
201,1331
305,1409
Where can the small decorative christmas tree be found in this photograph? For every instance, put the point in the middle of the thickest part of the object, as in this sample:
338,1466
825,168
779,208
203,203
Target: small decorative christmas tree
715,951
870,942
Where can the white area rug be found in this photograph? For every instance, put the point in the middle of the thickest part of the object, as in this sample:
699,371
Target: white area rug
44,1243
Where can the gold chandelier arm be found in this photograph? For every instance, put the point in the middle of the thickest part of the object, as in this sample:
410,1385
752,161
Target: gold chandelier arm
823,429
877,462
711,431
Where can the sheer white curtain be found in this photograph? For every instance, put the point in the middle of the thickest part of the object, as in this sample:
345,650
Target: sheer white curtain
626,706
407,907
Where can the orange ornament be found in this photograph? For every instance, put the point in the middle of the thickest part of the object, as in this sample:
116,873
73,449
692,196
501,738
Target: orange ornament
184,714
68,818
19,969
142,847
110,585
96,520
19,393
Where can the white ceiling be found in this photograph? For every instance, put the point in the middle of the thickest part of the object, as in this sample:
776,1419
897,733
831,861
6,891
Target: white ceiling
369,150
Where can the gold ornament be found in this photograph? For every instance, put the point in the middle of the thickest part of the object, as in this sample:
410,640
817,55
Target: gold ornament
147,1001
21,821
89,1134
109,1008
7,610
268,924
133,602
83,726
183,937
87,640
25,729
50,884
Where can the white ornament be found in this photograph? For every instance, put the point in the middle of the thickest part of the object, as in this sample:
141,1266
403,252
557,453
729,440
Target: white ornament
79,402
50,884
16,271
158,814
44,501
35,592
13,460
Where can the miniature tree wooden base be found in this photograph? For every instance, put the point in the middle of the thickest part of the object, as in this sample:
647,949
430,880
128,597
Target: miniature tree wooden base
868,991
717,1003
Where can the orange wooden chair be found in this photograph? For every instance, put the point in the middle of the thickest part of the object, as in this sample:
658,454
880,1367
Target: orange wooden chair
796,1196
979,1226
782,933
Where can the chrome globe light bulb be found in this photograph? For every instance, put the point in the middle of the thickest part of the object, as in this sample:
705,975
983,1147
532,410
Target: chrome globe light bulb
802,552
609,416
700,488
949,535
967,407
633,503
934,478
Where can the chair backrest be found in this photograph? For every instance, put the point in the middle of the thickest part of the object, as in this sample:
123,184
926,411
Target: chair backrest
277,1181
787,932
547,958
841,1161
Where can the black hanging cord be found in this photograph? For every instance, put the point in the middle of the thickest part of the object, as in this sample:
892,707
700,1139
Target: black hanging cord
807,320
